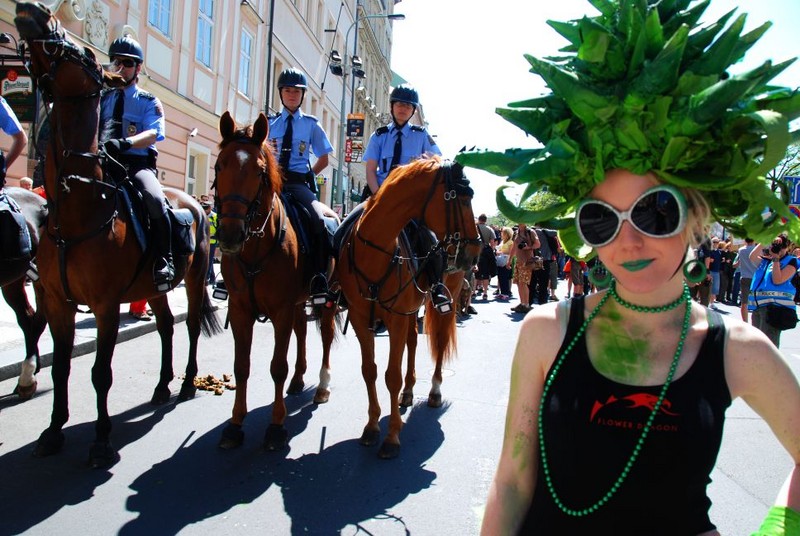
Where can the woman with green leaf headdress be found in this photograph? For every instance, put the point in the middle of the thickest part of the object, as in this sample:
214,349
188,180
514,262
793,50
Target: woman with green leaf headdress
618,399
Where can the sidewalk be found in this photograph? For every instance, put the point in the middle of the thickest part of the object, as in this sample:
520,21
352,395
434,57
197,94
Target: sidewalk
12,343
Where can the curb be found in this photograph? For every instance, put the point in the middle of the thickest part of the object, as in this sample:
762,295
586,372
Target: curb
13,370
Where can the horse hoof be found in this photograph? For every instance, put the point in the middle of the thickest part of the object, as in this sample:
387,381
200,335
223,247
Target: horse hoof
187,392
101,454
388,451
406,400
322,396
435,400
49,443
296,387
232,437
276,438
160,397
26,392
369,437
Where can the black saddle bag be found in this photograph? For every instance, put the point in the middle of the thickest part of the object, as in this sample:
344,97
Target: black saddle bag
183,240
15,242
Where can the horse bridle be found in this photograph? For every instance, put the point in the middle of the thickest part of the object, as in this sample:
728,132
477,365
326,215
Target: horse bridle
252,204
454,236
251,270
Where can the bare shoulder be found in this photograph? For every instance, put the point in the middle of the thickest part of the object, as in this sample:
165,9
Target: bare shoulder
542,333
752,363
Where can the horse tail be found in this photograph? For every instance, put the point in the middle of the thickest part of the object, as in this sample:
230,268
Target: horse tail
318,311
441,331
209,321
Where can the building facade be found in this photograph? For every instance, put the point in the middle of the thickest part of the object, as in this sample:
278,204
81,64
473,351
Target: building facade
205,57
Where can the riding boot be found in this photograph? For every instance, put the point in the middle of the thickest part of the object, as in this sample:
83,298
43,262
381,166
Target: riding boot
318,291
163,267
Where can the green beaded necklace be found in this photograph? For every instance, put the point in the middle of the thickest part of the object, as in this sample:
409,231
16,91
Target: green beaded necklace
612,292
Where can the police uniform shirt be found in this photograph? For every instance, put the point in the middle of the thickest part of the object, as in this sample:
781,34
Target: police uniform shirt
142,112
415,142
8,120
307,136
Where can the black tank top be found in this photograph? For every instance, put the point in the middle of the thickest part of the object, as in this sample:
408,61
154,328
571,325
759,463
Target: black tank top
591,425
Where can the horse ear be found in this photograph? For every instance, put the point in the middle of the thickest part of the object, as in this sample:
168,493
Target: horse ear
260,129
226,125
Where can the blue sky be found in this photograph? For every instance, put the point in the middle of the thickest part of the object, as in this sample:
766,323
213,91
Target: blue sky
465,57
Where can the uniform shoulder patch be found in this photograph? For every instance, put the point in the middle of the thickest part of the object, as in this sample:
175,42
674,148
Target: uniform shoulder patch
430,140
417,128
382,130
106,91
146,95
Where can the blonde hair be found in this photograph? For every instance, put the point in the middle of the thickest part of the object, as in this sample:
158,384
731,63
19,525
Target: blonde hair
506,233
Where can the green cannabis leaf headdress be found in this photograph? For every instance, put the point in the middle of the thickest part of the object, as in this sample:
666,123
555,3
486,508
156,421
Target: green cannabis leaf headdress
643,87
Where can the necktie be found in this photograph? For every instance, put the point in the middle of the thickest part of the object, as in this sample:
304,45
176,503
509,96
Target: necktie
286,146
398,149
119,109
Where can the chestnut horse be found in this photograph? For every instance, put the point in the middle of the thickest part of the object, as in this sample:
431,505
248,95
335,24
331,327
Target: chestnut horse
12,280
89,254
263,271
380,279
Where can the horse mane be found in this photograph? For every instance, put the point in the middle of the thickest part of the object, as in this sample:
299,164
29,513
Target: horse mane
270,165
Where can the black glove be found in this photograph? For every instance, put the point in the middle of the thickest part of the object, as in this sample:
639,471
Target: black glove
115,147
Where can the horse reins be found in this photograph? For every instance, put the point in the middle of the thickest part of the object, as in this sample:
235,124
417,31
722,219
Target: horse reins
251,270
454,220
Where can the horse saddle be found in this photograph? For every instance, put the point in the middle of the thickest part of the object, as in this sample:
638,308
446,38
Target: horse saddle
304,221
15,240
183,239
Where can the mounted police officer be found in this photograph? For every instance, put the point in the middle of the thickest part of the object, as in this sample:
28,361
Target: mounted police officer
397,144
131,122
295,136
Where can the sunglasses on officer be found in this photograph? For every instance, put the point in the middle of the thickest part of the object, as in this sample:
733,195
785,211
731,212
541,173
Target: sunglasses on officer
660,212
125,62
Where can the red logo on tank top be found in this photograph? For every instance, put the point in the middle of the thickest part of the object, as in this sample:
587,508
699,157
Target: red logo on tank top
635,401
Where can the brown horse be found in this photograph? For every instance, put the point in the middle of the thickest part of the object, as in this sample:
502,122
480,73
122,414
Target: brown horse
380,278
263,271
89,254
12,280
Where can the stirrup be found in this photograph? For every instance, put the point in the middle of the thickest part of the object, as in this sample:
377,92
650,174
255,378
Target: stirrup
33,272
441,302
318,295
163,277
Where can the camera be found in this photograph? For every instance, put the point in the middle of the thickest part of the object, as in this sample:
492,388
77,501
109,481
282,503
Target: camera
776,247
522,245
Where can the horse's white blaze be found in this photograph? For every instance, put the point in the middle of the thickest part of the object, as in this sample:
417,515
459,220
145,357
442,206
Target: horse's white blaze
26,378
324,378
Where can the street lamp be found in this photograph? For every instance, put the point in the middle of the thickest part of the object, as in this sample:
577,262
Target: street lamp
355,65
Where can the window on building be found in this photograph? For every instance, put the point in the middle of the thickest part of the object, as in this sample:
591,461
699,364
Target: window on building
245,61
191,178
205,31
159,15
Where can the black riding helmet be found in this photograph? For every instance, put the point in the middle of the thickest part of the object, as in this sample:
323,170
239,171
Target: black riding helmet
126,47
404,93
292,78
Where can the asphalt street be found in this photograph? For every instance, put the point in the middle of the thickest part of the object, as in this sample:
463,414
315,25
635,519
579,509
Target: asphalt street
172,479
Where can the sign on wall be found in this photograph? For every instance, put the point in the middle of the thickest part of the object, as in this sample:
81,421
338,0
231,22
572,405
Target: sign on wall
16,87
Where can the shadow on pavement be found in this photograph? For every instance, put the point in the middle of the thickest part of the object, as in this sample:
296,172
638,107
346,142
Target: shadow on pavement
37,488
343,485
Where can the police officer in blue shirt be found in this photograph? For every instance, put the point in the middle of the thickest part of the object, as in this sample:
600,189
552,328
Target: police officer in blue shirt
395,145
131,122
381,156
10,125
295,136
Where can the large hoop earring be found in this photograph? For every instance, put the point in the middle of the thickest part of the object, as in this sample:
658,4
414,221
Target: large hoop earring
600,276
694,271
